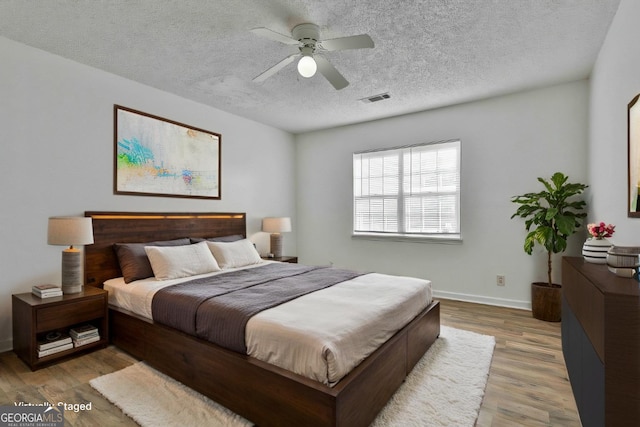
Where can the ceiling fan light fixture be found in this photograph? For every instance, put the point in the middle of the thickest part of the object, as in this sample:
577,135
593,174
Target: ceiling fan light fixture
307,66
307,37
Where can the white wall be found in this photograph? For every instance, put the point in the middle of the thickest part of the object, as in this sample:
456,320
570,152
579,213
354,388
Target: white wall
507,142
56,134
614,82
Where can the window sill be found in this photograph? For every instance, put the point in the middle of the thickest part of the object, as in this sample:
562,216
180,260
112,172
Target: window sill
448,240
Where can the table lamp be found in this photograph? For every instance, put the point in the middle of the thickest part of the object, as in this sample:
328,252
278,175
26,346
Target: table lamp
70,231
276,226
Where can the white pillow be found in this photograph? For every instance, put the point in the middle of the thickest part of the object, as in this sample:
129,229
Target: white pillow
234,254
174,262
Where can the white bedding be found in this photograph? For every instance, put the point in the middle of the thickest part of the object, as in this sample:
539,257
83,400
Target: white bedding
322,335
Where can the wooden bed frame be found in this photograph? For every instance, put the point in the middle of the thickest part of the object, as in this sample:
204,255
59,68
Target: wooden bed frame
262,393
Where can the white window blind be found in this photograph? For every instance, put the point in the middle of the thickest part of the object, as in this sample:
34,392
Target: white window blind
413,191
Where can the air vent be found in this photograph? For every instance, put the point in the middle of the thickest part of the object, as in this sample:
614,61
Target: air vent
375,98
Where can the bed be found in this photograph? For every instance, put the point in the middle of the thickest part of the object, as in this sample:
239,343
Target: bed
261,392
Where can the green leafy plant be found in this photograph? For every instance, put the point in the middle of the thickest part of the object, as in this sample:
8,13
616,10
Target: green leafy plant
550,217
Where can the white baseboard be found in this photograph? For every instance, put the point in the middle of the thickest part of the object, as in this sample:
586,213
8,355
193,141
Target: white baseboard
500,302
6,345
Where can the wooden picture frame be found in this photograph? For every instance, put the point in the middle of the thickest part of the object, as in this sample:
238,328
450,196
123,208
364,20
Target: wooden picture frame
633,155
154,156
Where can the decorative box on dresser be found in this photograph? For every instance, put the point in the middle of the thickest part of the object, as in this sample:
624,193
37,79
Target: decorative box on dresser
34,317
601,342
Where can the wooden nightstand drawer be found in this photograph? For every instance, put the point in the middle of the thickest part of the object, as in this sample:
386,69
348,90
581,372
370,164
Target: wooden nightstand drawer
68,314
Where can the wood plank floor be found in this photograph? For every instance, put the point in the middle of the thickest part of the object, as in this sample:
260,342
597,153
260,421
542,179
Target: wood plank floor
527,384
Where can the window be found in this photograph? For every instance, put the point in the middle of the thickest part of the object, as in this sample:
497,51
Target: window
411,191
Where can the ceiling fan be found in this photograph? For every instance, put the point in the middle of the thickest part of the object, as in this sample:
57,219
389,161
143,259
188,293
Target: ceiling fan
307,38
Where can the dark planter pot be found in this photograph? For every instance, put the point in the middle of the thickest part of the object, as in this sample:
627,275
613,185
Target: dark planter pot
546,301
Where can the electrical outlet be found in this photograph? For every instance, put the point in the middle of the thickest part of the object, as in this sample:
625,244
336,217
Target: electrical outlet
500,280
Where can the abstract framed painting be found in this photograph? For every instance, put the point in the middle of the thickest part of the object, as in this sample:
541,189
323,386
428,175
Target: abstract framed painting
633,154
155,156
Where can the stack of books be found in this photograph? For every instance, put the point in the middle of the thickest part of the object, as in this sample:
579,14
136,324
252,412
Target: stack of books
83,335
46,291
54,342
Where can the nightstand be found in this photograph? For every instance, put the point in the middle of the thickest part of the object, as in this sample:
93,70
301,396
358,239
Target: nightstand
34,318
291,259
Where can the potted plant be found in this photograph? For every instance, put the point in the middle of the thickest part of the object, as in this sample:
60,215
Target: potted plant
551,216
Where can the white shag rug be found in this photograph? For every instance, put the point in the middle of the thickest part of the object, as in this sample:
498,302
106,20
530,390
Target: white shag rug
444,389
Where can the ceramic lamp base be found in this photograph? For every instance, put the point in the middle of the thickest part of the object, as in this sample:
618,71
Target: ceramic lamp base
276,244
71,271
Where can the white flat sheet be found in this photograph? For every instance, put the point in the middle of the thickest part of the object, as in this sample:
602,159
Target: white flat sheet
322,335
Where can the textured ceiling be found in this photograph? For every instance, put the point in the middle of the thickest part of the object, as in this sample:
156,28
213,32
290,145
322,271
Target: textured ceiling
427,54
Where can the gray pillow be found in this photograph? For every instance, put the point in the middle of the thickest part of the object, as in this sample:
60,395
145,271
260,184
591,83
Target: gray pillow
133,260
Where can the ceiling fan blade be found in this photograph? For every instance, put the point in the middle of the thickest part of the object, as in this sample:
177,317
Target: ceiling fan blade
272,35
330,73
279,66
352,42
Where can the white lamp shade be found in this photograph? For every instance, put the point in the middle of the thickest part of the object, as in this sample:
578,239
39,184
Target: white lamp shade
276,225
69,231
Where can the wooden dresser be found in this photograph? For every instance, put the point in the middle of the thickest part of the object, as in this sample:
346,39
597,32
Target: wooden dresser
601,342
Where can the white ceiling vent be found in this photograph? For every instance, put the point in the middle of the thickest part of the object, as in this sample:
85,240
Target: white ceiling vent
376,98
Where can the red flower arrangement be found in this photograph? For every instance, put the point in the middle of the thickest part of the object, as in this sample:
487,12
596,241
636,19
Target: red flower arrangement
601,231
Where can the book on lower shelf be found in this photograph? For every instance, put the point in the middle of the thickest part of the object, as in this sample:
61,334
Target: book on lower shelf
46,291
54,350
87,340
52,340
83,331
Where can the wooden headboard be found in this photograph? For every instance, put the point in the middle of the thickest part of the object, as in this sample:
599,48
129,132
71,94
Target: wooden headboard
130,227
